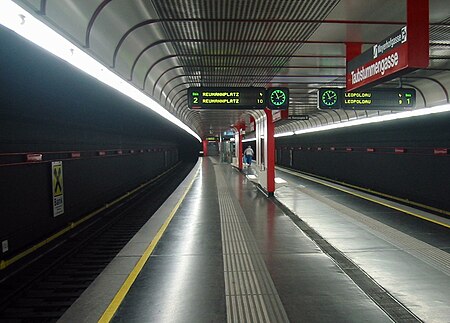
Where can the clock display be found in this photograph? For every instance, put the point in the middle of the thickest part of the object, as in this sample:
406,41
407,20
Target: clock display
329,97
278,98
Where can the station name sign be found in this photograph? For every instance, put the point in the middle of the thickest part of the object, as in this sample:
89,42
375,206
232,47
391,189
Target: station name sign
298,117
376,99
235,98
388,59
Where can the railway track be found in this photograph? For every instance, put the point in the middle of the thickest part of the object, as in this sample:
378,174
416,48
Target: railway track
44,289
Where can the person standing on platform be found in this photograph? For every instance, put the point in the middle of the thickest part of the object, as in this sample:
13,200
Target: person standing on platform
248,154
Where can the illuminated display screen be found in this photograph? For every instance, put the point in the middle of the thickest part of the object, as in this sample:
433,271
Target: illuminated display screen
278,98
377,99
227,98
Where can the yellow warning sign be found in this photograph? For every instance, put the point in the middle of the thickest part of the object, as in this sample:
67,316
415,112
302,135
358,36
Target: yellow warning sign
57,188
57,180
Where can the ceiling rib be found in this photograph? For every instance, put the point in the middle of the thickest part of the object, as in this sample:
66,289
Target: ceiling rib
43,8
241,43
159,77
92,20
220,41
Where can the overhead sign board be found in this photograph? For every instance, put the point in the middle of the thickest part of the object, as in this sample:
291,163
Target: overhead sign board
389,58
227,98
235,98
376,99
380,62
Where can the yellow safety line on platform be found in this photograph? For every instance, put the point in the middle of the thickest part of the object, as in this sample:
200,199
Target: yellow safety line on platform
120,296
7,262
364,197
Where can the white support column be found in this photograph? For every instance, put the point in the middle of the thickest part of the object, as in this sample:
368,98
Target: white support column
265,153
261,151
237,159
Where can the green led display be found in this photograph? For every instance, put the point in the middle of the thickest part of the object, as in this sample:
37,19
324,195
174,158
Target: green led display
376,99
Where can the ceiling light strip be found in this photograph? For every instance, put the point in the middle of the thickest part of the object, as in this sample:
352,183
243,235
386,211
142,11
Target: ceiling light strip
23,23
383,118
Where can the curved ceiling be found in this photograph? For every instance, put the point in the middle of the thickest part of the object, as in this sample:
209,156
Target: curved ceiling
164,47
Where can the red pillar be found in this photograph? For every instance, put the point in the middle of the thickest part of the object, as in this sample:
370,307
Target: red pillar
205,148
270,142
418,19
352,50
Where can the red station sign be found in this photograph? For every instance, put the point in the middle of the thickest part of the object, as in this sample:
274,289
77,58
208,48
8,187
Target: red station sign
403,51
383,61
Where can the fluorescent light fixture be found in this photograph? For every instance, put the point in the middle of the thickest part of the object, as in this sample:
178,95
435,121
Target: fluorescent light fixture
26,25
250,139
383,118
284,134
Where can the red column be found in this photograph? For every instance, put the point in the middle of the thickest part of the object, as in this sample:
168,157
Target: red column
352,50
418,19
205,148
270,142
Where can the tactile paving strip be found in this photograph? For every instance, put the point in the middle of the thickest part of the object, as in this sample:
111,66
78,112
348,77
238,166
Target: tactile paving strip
250,293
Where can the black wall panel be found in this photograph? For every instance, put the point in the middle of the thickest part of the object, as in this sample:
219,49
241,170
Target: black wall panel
418,174
26,197
47,106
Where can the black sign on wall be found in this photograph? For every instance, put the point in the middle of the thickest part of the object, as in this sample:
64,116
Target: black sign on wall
376,99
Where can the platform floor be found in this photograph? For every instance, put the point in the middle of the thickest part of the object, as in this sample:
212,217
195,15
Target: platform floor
230,254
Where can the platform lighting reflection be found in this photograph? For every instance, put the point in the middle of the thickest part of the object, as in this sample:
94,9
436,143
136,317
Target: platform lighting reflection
387,117
23,23
279,180
187,267
383,118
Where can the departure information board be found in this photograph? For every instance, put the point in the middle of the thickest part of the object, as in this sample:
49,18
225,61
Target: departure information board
376,99
227,98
